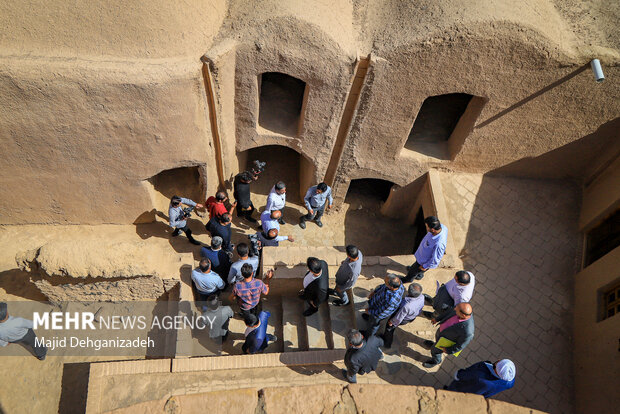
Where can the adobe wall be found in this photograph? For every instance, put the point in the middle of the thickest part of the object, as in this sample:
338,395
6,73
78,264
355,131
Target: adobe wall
101,96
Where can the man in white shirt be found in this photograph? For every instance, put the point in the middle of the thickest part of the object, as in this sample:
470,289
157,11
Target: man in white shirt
18,330
460,289
276,200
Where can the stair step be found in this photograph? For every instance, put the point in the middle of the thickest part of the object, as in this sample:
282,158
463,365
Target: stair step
318,328
342,319
274,306
294,328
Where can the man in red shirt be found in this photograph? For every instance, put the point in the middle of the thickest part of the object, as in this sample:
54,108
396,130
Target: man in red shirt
215,205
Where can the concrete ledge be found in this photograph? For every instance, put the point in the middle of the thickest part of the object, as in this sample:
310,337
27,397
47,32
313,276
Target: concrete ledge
257,360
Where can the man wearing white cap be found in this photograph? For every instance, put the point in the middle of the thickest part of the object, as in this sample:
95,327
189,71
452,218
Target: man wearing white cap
484,378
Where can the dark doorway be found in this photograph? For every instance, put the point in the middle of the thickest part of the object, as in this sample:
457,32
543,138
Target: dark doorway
184,182
281,102
603,239
369,188
420,228
435,123
283,164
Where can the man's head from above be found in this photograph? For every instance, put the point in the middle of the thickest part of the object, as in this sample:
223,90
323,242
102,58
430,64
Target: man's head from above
432,225
355,338
220,196
276,214
213,302
462,277
314,265
392,281
414,290
250,320
247,271
216,243
245,177
243,250
204,265
352,252
463,310
280,187
175,201
224,219
505,369
272,233
4,312
321,188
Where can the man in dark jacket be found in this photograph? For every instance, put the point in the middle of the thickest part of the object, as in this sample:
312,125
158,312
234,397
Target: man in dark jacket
456,330
241,193
484,378
256,336
220,261
316,283
220,226
362,355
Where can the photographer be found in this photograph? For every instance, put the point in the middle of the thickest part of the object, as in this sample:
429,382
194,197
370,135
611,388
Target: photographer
178,217
271,238
242,196
257,168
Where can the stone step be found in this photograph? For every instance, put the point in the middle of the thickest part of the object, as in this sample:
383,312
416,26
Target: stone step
274,306
318,328
294,328
359,300
342,319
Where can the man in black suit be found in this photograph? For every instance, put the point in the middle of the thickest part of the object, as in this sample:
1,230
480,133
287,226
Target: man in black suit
316,284
456,326
362,355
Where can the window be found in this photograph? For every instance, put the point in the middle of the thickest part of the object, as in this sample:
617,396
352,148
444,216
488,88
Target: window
603,238
281,103
611,301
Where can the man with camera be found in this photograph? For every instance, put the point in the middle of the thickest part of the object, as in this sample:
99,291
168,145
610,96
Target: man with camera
271,238
241,193
178,216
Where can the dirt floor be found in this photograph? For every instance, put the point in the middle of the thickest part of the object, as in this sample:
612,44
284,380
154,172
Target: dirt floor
59,383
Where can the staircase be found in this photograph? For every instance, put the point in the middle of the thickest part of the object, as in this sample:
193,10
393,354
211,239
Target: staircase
324,330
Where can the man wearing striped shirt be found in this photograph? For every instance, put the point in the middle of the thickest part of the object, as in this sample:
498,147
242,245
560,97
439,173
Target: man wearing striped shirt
383,302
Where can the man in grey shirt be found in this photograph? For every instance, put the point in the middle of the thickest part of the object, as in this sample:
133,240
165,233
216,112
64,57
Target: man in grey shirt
217,318
347,275
410,307
318,198
18,330
243,251
178,220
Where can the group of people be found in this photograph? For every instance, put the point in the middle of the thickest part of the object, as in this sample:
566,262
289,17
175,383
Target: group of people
392,303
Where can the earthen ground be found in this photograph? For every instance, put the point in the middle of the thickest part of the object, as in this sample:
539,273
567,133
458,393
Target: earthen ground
522,305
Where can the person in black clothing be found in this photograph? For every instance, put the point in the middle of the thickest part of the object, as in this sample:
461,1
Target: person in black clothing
220,260
241,193
362,355
220,226
316,284
256,340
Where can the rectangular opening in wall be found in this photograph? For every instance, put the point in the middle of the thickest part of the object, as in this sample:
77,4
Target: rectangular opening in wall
603,239
280,104
436,121
610,299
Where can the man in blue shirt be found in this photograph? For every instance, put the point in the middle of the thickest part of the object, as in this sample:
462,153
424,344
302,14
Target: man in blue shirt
269,220
178,220
484,378
205,281
317,199
382,303
243,250
430,251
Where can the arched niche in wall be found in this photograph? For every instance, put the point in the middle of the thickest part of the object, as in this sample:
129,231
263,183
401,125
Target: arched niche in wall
281,103
283,164
443,123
